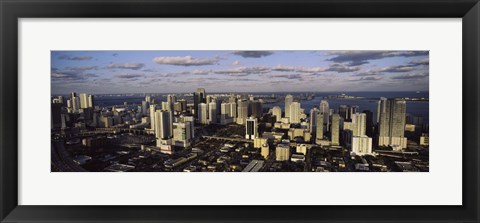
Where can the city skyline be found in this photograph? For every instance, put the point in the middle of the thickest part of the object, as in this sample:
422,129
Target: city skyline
240,111
113,72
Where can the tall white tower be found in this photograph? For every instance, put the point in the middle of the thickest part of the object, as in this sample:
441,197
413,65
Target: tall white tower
288,102
295,113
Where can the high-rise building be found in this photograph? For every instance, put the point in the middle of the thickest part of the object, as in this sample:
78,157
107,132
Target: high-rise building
212,112
346,112
225,110
74,103
56,118
313,121
203,113
226,116
295,112
183,105
73,95
392,123
360,142
342,111
335,133
319,128
163,125
251,128
198,98
167,106
325,111
362,145
277,112
233,110
83,100
191,120
242,112
145,106
257,109
91,101
152,116
182,134
359,124
288,102
148,99
369,124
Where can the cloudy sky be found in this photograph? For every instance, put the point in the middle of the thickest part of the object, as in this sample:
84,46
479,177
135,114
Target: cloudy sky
101,72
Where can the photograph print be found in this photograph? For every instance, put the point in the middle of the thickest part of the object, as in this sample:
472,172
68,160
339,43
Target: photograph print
240,111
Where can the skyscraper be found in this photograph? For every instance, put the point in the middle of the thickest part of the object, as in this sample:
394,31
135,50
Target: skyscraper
257,109
313,121
295,113
288,102
359,122
56,117
342,111
242,112
233,110
319,128
351,110
225,109
203,113
91,101
74,102
392,123
73,95
369,124
144,107
212,112
226,115
83,100
152,116
277,112
251,128
335,137
167,106
361,143
325,111
163,125
198,98
191,120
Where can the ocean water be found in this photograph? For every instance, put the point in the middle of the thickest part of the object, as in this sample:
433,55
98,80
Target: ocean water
369,102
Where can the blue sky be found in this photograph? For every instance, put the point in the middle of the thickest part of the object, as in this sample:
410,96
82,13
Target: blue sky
100,72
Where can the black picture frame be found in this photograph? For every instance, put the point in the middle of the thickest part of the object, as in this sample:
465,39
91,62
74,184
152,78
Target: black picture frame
11,11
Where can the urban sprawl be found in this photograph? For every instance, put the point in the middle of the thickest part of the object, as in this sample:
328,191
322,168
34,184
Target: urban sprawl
232,132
